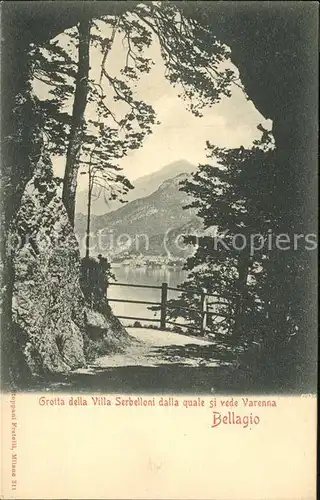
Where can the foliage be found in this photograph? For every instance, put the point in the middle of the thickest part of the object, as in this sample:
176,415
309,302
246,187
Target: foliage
95,275
55,69
115,121
191,53
114,130
233,197
193,58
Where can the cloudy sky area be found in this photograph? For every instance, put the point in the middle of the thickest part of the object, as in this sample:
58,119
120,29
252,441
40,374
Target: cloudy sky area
230,123
181,135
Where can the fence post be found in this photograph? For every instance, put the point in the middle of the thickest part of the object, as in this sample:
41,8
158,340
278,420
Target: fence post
106,296
164,296
204,309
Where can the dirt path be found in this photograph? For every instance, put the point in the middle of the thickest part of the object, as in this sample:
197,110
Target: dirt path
156,362
156,347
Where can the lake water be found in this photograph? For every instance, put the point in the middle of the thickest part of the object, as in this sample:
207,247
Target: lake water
142,276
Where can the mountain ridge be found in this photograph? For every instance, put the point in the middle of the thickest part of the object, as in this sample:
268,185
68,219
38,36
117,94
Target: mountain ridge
149,220
143,187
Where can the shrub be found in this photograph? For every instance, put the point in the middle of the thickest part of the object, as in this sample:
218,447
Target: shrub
137,324
95,275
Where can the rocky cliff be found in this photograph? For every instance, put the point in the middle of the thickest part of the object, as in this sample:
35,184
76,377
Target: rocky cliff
50,325
47,300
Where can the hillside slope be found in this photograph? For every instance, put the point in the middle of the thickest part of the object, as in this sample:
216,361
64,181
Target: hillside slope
147,224
143,186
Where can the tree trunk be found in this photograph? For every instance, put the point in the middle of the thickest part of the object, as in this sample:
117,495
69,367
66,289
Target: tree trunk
88,220
243,269
76,132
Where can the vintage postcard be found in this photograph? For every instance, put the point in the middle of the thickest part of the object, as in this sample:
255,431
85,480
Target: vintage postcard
159,250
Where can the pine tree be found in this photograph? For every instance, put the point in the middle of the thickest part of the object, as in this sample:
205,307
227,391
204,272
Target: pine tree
233,198
76,136
192,57
115,129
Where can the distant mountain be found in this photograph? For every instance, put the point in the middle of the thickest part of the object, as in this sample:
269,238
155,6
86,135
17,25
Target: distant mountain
143,186
150,225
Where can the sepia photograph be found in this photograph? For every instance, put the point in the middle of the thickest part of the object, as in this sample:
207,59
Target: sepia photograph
159,216
158,197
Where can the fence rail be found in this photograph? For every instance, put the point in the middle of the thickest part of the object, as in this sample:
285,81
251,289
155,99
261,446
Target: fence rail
204,310
136,301
133,285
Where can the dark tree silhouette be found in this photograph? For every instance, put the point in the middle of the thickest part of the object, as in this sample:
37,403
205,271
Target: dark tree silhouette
77,121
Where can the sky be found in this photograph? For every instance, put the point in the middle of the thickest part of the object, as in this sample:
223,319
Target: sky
230,123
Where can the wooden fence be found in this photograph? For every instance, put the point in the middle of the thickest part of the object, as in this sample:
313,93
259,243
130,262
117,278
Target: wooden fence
163,304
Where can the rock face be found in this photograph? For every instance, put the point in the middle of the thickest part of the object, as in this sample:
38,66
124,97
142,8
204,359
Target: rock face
105,334
48,306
